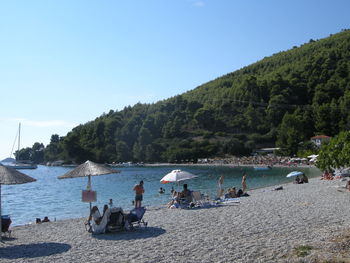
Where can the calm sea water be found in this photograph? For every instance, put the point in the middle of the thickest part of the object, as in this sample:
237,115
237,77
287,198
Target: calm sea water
61,199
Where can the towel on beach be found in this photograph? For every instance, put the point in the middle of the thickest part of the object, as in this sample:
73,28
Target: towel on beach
230,200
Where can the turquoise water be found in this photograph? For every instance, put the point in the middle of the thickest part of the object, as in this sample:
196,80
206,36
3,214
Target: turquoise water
61,199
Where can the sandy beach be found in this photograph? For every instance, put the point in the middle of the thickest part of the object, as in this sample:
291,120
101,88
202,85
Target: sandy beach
267,226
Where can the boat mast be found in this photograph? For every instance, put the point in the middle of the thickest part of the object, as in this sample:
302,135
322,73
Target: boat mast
14,142
19,136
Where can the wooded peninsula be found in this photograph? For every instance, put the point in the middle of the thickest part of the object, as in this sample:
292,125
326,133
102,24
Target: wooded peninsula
280,101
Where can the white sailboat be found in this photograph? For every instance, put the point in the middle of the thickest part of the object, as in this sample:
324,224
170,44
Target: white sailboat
17,164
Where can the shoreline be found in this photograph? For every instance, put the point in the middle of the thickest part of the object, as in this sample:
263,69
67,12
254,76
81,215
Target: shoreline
161,205
267,226
230,165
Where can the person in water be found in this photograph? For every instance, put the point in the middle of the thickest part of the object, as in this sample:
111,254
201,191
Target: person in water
161,190
244,182
221,186
139,190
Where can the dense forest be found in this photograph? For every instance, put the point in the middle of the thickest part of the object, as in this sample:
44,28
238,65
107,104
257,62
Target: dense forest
279,101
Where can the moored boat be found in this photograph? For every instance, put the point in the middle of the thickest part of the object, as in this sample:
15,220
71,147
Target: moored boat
20,165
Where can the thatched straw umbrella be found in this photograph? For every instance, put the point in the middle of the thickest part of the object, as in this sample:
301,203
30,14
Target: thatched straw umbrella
12,176
88,169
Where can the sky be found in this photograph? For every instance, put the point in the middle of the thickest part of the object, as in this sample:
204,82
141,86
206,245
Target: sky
64,63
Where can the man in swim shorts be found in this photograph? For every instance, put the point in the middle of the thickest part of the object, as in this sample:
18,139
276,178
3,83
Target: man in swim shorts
139,190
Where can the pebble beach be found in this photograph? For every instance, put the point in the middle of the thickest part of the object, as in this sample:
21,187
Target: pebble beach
301,223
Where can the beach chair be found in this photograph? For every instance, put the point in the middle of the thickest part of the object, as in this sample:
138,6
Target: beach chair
5,225
135,217
116,220
99,226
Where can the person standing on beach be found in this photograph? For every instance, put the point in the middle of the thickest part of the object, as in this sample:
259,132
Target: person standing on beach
139,190
221,186
244,182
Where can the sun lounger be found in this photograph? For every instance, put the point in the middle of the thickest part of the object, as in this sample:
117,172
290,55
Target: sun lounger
116,220
135,217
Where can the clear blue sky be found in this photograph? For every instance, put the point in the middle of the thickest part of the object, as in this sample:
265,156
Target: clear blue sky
66,62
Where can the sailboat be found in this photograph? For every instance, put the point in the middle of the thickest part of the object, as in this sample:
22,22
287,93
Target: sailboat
17,164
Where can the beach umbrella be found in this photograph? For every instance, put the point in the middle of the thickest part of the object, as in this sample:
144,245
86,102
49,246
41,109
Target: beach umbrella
12,176
294,173
88,169
176,176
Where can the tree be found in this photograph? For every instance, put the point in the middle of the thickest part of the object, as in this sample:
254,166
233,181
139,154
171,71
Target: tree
335,154
38,153
276,109
290,134
123,152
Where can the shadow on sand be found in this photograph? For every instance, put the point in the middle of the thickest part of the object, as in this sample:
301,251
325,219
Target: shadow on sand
33,250
139,233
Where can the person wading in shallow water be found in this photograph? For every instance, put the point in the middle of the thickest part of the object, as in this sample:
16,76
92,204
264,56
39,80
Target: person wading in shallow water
221,186
244,183
139,190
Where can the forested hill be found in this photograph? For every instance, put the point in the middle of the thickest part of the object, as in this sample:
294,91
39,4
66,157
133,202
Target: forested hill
282,100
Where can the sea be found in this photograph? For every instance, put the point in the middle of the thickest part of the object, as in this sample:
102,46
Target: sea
62,198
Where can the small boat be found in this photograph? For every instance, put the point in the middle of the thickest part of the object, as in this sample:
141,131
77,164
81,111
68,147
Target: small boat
19,164
262,168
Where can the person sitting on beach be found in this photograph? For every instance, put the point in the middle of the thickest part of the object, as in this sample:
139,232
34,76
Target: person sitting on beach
304,179
297,180
231,193
46,219
174,194
98,222
175,200
95,215
186,194
105,208
327,176
348,185
175,204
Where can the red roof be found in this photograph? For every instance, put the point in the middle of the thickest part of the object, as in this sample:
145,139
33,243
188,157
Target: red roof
320,137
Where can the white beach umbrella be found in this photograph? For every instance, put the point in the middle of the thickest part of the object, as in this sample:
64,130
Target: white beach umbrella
177,176
294,173
12,176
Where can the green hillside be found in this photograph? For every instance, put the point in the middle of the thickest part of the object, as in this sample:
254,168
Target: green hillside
281,100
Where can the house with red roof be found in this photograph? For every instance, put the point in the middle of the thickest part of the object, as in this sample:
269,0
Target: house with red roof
319,139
